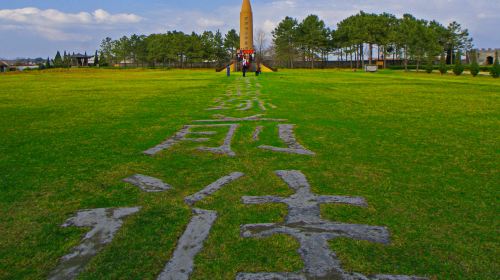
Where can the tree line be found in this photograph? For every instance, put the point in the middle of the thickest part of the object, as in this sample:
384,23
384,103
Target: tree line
406,38
358,39
173,48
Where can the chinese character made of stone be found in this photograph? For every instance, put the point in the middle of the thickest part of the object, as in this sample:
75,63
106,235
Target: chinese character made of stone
304,223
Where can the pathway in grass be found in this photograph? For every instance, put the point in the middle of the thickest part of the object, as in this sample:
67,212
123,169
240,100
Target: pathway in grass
303,222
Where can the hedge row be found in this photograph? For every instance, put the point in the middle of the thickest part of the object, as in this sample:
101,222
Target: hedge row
436,67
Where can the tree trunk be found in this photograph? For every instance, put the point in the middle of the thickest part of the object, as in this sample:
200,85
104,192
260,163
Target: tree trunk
312,59
406,59
356,56
370,54
385,56
362,55
351,57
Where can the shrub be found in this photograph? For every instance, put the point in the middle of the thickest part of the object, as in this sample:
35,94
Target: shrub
474,67
495,70
458,69
429,67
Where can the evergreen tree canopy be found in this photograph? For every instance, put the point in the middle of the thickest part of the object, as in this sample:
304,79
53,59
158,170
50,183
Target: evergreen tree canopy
58,62
361,36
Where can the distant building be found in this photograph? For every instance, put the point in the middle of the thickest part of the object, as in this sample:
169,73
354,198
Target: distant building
4,66
24,67
125,63
81,60
486,56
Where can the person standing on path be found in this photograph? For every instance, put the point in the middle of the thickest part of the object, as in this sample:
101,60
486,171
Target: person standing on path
258,71
228,70
245,66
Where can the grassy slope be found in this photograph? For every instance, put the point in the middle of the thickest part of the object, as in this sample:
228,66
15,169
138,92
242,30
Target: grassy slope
422,149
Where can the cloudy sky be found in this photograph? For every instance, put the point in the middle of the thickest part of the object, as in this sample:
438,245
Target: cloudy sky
32,28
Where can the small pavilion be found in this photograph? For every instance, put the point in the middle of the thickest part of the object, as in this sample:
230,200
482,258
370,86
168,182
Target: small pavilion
80,60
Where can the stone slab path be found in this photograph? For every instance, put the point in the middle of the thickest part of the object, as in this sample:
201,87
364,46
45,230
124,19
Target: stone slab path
303,221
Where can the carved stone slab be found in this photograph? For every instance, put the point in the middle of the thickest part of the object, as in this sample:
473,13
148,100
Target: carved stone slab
225,148
257,132
254,118
180,136
147,184
104,223
181,264
212,188
304,223
288,136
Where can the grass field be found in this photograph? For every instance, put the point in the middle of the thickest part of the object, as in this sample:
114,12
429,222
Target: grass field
424,150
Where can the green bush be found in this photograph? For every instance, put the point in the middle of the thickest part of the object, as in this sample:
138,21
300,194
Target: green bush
443,69
495,70
401,67
429,67
458,69
474,67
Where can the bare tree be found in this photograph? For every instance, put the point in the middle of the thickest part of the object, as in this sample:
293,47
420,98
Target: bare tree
260,43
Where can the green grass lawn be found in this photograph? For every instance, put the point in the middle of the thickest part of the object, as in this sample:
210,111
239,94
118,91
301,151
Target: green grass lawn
422,149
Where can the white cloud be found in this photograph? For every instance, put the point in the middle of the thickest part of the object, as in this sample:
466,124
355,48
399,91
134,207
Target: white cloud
284,4
209,23
101,16
32,15
268,26
55,25
54,34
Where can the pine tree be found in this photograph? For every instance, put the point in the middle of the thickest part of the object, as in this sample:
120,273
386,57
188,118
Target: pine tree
495,70
96,59
47,63
474,66
65,60
443,69
58,62
458,69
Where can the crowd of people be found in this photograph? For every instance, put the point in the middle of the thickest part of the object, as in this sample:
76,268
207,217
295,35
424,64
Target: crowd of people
246,65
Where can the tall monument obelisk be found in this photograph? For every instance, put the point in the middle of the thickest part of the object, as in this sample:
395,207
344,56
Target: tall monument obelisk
246,27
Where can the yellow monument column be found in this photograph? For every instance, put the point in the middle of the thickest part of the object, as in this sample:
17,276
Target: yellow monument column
246,26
